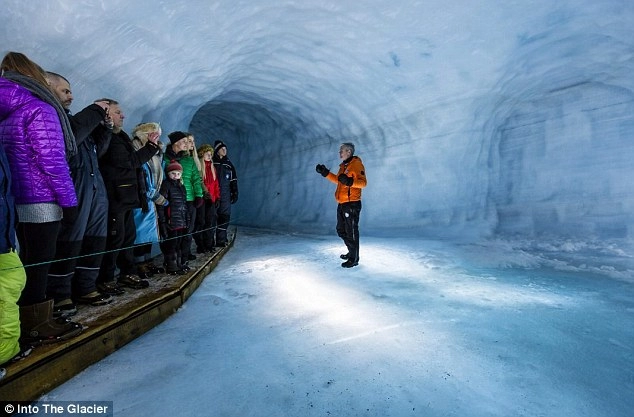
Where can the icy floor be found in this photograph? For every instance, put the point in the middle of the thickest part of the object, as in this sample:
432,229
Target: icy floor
420,328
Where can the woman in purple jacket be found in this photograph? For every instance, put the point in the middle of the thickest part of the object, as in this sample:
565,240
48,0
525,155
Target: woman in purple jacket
37,139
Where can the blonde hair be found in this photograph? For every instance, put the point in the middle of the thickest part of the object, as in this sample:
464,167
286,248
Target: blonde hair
142,130
193,152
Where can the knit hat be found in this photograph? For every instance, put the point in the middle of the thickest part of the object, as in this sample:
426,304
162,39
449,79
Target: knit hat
219,144
173,166
176,136
204,149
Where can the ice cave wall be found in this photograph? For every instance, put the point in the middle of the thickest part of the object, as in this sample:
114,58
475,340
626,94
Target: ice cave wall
511,118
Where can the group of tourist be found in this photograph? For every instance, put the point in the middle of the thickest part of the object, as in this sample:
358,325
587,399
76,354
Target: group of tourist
85,199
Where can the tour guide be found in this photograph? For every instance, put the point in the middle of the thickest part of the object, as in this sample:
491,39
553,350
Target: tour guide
350,180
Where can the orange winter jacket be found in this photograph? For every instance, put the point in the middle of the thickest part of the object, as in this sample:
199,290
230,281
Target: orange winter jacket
352,167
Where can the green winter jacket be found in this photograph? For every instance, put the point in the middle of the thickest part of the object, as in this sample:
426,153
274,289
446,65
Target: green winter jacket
191,176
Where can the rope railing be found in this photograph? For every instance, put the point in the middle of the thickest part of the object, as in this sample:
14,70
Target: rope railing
113,250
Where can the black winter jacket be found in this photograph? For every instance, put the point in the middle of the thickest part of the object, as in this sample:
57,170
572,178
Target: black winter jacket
93,140
121,170
228,180
175,214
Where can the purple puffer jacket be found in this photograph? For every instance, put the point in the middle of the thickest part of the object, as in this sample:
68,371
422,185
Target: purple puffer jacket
32,138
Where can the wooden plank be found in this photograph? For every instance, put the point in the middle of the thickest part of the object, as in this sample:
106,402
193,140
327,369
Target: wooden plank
116,325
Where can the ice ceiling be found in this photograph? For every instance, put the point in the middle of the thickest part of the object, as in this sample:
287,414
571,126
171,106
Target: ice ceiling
511,117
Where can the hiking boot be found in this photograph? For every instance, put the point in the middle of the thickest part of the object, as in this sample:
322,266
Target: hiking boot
25,350
64,308
95,298
349,263
110,288
344,256
132,281
156,270
143,271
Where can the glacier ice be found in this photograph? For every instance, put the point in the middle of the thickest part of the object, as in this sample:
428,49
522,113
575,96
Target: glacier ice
472,120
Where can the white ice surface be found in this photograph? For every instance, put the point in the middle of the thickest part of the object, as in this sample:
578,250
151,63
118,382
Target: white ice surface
420,328
506,126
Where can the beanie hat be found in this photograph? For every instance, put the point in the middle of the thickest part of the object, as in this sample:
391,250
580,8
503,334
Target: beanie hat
219,144
173,166
176,136
205,148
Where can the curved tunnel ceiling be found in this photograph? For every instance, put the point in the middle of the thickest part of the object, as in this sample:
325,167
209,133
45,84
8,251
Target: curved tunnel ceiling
439,99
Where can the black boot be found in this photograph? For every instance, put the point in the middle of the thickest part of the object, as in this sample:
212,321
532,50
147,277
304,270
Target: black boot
172,266
38,325
143,271
350,263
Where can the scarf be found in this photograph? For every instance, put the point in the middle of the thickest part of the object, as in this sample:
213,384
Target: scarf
47,96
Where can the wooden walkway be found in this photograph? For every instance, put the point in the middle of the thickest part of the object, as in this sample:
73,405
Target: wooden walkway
106,329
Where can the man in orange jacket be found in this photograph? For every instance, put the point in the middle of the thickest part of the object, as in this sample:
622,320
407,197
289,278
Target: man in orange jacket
350,180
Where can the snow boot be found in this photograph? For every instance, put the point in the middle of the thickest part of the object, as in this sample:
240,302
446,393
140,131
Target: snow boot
154,269
350,263
181,261
172,265
143,271
38,325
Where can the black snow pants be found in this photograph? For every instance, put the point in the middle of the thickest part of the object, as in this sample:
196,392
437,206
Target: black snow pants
348,227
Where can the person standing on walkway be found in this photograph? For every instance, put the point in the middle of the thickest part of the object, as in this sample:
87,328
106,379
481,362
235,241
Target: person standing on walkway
81,243
38,141
228,180
121,169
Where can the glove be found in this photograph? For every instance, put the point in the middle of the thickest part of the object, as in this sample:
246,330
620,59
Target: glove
345,180
217,203
198,202
322,170
70,214
234,197
206,195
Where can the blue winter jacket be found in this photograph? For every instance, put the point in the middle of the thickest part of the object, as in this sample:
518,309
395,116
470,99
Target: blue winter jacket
7,208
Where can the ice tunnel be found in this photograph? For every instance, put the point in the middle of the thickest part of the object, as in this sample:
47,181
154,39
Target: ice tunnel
472,120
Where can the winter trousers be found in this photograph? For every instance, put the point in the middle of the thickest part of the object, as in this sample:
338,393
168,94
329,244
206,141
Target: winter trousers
12,281
80,247
121,236
171,248
223,217
142,253
348,227
205,223
38,243
186,241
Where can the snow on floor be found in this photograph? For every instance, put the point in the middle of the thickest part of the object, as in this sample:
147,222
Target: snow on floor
420,328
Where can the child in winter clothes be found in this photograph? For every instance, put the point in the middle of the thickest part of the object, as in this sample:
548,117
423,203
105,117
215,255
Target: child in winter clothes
173,218
180,149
